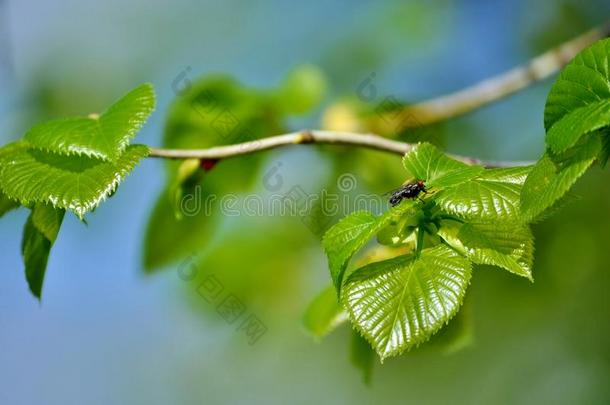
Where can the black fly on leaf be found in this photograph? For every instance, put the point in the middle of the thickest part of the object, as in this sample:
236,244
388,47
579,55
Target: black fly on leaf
408,191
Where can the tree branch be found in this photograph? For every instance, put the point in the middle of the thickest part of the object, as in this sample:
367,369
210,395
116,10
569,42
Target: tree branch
309,137
488,91
424,113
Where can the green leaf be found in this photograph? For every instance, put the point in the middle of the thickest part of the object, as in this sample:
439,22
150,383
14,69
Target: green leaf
554,175
302,89
566,132
47,220
39,234
345,238
401,302
210,111
75,183
8,150
508,246
350,234
362,356
425,162
605,152
583,82
218,110
324,313
104,137
170,237
494,195
6,204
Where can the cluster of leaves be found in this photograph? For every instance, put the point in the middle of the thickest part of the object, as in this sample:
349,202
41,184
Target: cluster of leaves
577,121
69,164
470,216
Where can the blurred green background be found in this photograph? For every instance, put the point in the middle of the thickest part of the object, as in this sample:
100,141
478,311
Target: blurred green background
107,331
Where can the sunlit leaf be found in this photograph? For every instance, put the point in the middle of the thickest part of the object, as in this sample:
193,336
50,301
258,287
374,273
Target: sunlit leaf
494,195
350,234
506,245
554,175
105,136
584,81
566,132
399,303
76,183
427,163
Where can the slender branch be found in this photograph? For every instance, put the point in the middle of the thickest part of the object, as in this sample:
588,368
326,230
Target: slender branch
488,91
309,137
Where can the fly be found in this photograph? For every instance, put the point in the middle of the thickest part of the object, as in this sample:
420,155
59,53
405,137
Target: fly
410,191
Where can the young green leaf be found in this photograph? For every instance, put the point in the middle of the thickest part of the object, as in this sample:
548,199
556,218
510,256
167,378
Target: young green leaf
39,234
494,195
583,82
222,109
425,162
199,211
350,234
47,220
302,89
6,204
401,302
211,111
345,238
76,183
554,175
605,152
566,132
104,137
362,356
508,246
324,313
178,237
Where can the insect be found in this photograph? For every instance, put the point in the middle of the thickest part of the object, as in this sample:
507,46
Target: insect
410,190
